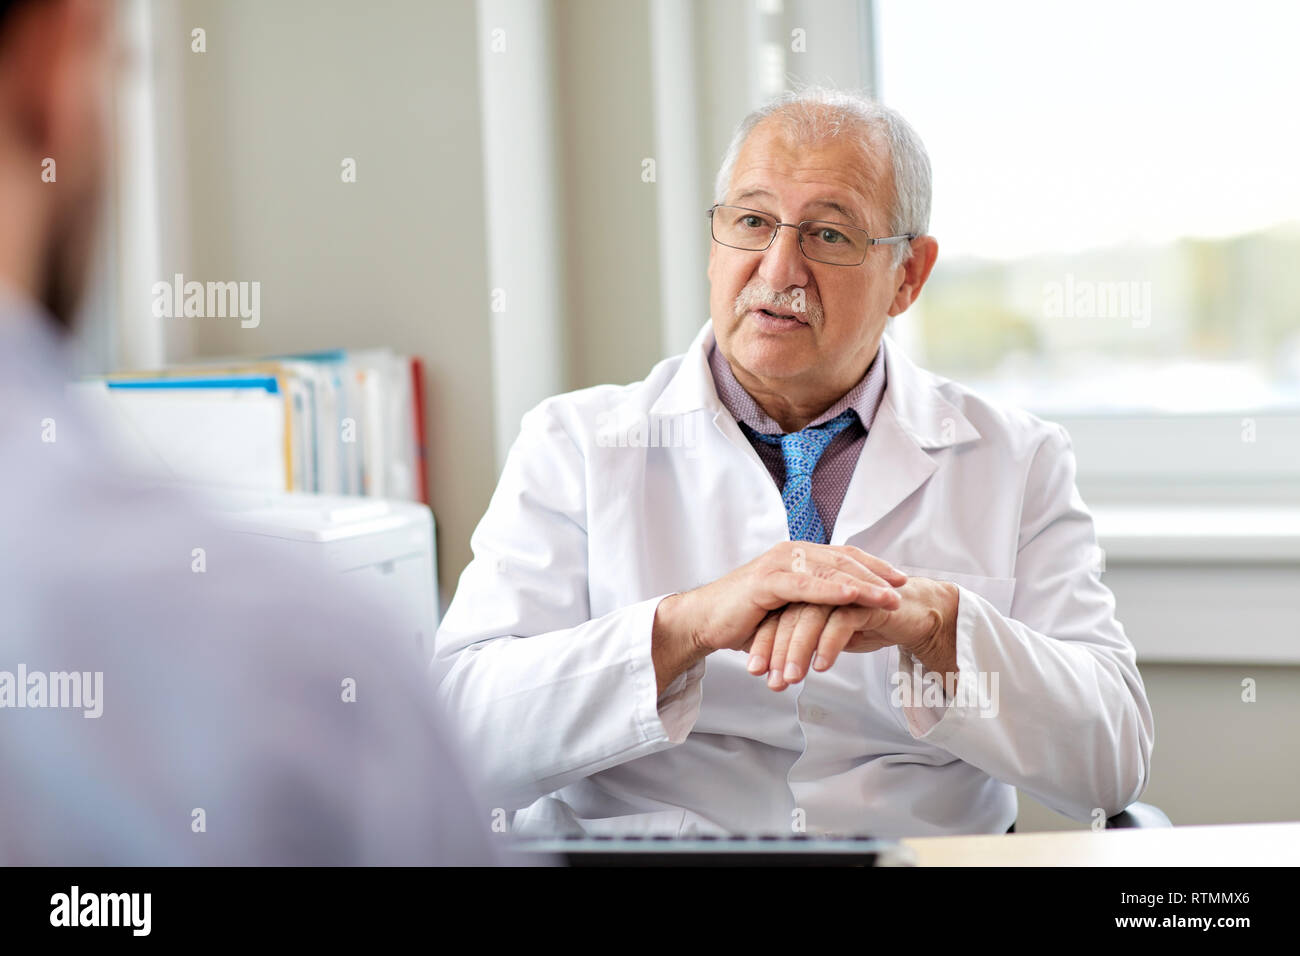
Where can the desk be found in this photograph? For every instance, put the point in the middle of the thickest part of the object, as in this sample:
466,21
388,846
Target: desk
1245,844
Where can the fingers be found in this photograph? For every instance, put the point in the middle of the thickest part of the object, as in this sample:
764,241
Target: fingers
800,587
838,587
800,625
841,628
879,565
782,637
803,641
823,559
804,637
760,646
874,578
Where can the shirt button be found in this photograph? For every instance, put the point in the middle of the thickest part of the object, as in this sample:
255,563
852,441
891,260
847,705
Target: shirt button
815,714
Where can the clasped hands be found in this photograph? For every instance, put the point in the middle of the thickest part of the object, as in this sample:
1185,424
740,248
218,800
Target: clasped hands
800,605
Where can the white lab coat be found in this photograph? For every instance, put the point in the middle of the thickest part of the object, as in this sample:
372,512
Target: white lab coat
544,652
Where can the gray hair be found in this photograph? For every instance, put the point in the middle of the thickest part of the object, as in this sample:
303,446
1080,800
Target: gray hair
813,114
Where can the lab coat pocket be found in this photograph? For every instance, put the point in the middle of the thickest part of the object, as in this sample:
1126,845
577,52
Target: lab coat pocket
997,591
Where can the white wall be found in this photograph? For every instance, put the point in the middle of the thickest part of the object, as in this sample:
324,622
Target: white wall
606,116
285,91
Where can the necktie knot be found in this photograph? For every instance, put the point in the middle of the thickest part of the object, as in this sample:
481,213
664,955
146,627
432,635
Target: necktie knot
801,451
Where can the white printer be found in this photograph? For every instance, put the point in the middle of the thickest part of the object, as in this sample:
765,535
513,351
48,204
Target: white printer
383,547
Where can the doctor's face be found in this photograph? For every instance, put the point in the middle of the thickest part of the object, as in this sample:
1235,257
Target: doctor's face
827,346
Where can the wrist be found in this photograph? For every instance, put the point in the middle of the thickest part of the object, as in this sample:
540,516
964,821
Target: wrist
671,625
675,642
936,647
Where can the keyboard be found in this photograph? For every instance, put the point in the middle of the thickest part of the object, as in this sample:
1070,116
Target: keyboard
763,850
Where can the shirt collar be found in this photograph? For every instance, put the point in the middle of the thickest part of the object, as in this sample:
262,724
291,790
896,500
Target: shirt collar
863,398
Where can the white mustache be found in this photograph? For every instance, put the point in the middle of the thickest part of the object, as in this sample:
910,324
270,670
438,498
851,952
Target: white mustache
763,297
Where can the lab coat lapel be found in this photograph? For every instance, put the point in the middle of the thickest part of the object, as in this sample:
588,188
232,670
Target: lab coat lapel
723,447
913,420
692,387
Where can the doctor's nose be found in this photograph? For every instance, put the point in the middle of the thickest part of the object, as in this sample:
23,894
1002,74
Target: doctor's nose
783,263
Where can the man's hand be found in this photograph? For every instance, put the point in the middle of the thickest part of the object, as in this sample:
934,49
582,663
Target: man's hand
726,613
791,639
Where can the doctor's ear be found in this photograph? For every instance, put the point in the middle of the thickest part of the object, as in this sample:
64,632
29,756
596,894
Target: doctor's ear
914,273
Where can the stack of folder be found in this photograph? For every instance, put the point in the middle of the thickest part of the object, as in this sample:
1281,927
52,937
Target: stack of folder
340,422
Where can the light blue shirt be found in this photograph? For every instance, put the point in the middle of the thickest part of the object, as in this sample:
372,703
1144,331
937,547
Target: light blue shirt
223,736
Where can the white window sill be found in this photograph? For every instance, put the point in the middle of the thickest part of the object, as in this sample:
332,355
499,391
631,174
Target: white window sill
1146,534
1205,585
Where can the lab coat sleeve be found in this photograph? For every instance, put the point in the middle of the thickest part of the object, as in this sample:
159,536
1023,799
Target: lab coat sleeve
545,695
1069,722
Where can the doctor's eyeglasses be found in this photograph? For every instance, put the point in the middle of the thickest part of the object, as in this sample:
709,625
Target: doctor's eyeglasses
836,243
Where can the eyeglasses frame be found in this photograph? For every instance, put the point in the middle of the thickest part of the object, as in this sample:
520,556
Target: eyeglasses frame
797,227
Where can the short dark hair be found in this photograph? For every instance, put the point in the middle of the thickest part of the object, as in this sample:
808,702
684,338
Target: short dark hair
7,7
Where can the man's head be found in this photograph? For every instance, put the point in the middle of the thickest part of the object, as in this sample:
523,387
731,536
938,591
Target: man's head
56,83
829,156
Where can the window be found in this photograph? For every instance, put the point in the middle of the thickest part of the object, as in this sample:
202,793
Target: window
1115,198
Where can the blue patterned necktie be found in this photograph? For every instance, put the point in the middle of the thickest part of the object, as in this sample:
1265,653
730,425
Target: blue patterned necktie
802,450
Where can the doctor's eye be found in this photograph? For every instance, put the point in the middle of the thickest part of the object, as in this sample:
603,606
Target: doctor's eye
830,236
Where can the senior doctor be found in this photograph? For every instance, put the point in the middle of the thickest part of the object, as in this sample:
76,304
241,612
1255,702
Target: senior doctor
791,582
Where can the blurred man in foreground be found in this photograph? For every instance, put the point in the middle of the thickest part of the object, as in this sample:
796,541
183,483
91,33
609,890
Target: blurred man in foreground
151,713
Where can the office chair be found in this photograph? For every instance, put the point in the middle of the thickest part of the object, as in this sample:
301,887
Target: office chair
1136,815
